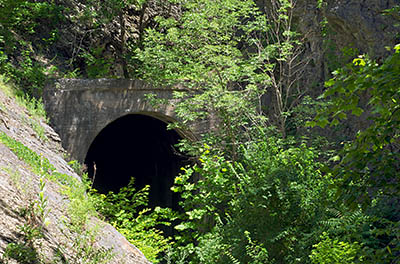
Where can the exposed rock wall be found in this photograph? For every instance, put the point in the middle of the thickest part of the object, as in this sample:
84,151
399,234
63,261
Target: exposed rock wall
337,27
335,31
19,185
362,24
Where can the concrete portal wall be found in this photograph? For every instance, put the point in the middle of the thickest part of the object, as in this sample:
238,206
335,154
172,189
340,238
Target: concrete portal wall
79,109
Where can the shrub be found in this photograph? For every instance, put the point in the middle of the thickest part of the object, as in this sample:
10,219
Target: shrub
273,193
333,251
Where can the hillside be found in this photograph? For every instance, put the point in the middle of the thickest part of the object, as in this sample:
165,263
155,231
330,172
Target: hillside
45,216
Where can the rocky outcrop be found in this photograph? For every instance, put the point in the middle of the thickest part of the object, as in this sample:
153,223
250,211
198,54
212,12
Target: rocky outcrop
19,189
363,24
336,31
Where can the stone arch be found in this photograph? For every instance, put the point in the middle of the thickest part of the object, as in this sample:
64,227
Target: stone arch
80,109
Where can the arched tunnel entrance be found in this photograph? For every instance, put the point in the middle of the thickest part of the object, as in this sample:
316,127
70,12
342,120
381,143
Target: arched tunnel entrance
138,146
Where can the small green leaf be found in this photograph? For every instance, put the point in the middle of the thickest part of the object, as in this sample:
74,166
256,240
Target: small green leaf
322,122
335,122
311,123
357,111
359,62
397,48
181,227
336,158
390,251
330,82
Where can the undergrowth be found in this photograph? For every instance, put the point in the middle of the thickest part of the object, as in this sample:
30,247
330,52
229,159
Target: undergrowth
34,107
127,211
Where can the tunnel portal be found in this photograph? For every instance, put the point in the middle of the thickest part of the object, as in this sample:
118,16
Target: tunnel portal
138,146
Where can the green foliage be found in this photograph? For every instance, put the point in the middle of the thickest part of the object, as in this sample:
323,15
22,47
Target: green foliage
257,253
366,174
22,253
96,65
272,195
37,162
346,224
112,19
34,106
224,56
27,15
330,251
393,12
127,212
105,12
76,166
82,242
124,210
46,38
201,41
35,125
336,57
320,3
252,197
369,165
26,27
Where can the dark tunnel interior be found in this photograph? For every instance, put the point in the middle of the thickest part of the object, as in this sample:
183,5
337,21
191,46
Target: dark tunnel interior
136,146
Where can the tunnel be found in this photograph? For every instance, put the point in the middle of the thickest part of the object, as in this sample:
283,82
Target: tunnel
138,146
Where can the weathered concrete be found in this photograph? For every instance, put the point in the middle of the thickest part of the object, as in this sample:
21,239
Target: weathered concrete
80,109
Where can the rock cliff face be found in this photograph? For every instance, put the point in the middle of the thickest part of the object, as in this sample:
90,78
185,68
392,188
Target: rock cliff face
338,30
363,24
20,201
